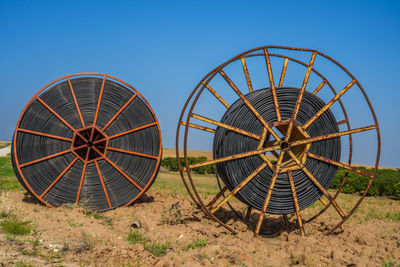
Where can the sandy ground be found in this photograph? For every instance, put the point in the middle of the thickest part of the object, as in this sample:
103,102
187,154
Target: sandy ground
71,237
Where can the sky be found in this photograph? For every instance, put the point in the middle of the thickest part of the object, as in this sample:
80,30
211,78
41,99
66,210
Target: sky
164,48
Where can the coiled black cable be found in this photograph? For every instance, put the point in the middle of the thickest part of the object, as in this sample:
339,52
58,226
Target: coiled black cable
39,177
228,143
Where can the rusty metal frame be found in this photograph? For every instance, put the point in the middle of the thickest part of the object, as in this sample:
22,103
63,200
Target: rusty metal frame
76,132
261,51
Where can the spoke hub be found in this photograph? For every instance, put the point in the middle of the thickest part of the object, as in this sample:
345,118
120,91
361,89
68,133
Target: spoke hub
300,151
89,143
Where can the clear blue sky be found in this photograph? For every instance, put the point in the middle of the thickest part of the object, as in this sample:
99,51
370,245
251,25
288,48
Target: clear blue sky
164,48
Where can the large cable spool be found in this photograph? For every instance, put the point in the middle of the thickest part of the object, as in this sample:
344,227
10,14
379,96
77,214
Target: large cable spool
279,131
87,138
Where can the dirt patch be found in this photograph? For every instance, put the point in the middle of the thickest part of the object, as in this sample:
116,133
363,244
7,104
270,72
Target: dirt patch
164,228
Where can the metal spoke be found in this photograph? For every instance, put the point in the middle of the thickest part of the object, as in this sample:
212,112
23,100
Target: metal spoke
102,184
217,96
261,144
341,164
58,177
118,112
99,101
296,202
236,156
328,105
226,126
319,186
323,201
82,176
55,113
246,73
248,213
283,72
300,97
272,84
132,153
192,125
239,187
249,105
342,122
44,134
45,158
333,135
133,130
269,193
217,196
123,173
76,102
322,84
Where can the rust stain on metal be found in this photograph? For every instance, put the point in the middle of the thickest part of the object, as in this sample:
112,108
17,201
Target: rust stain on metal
315,181
271,187
217,196
239,187
300,96
283,72
212,91
249,105
272,84
246,73
248,213
329,104
323,201
226,126
233,157
340,164
192,125
328,136
322,84
296,202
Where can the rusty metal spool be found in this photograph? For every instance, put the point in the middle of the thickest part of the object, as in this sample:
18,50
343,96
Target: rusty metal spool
87,138
281,133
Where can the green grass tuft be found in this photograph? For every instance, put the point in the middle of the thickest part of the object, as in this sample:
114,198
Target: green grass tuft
15,227
158,250
8,181
134,237
198,243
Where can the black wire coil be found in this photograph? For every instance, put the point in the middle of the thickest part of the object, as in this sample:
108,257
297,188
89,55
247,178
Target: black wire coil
228,143
39,176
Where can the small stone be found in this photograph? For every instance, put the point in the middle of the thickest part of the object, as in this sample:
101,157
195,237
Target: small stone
181,236
136,225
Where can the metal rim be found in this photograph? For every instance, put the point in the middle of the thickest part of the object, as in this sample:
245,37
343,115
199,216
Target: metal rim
91,128
263,51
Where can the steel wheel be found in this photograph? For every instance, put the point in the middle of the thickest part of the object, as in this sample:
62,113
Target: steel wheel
87,138
304,133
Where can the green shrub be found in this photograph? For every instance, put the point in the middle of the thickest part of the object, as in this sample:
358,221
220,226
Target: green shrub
172,165
397,190
386,183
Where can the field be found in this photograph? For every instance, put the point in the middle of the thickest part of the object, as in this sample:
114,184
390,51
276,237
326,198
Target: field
164,228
